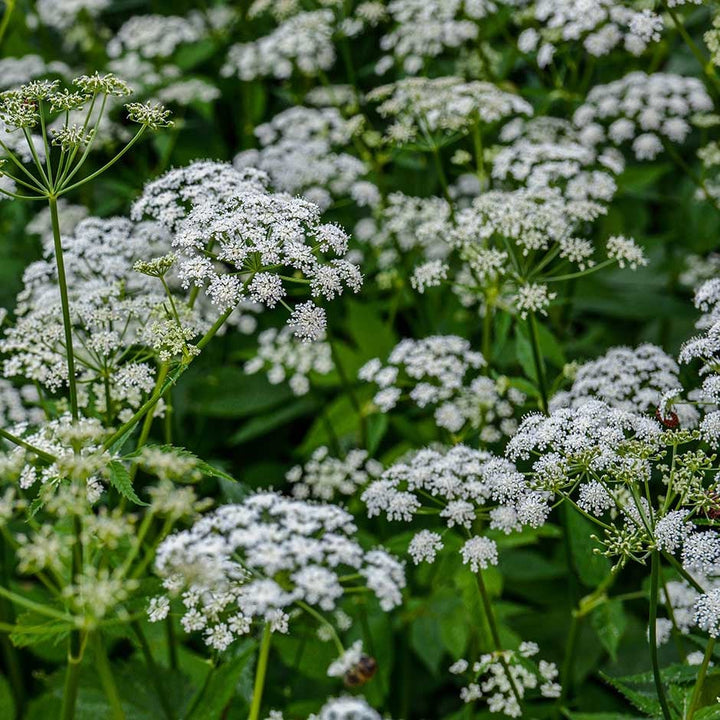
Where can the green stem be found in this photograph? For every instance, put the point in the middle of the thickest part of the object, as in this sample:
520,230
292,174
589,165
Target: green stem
538,360
495,635
260,673
72,679
697,690
654,588
441,176
65,303
9,7
9,651
107,681
15,440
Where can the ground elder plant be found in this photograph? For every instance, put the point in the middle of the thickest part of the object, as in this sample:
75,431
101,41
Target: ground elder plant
359,360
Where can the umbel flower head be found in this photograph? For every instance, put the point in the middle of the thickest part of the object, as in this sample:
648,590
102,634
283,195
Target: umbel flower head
258,560
466,486
444,373
422,107
244,242
69,120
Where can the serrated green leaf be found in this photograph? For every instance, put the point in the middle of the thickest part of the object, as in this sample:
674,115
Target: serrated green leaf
120,480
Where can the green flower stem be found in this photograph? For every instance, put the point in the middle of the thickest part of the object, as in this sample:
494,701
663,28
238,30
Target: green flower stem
494,633
441,176
153,400
697,690
260,673
102,665
152,669
65,303
652,621
65,188
72,679
15,440
538,360
9,7
9,651
315,614
479,153
705,64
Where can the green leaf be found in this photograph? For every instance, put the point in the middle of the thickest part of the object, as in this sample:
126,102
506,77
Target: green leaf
591,567
263,424
645,701
120,480
219,689
7,703
609,622
201,465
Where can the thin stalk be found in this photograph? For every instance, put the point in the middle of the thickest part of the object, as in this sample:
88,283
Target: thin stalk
102,665
260,673
441,175
15,440
9,651
538,360
569,659
9,7
65,303
652,620
110,163
490,615
479,153
70,688
152,669
697,690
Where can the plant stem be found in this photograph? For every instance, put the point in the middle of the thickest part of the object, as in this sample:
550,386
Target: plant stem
697,690
65,303
9,651
654,588
495,635
538,360
260,672
9,7
72,679
15,440
152,669
106,678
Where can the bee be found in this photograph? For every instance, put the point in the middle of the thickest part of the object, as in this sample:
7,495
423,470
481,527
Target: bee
669,419
362,672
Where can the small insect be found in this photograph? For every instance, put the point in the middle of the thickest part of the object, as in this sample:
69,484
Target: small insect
361,672
668,419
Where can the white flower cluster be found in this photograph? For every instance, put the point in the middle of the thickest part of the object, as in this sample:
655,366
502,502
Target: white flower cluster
646,110
425,29
423,106
442,371
503,678
406,224
324,476
61,14
299,158
303,42
154,36
547,152
590,437
602,25
16,71
632,379
465,485
239,241
284,358
256,560
346,708
78,452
